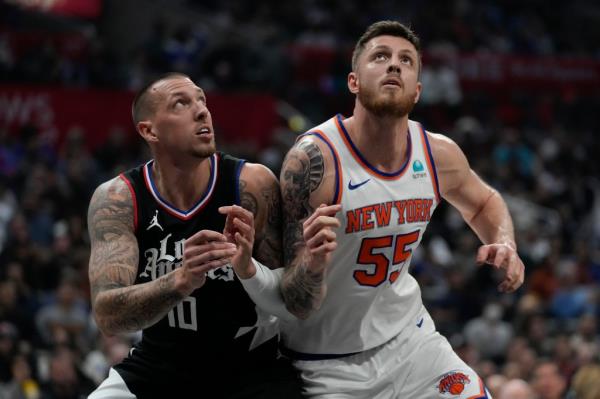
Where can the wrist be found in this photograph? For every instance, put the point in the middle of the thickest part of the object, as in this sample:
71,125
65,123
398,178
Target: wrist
509,243
312,264
245,272
182,284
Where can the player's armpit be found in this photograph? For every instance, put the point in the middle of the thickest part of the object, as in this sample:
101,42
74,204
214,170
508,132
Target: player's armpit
260,194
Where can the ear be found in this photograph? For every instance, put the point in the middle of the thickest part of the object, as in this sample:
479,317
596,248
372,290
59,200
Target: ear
353,82
418,92
145,130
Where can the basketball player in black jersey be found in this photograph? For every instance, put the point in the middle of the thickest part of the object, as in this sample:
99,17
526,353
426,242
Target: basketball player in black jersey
160,262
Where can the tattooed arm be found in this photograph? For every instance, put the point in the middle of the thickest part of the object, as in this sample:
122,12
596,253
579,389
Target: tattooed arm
307,183
259,193
118,305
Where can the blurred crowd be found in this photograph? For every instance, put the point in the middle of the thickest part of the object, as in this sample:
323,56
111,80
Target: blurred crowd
536,148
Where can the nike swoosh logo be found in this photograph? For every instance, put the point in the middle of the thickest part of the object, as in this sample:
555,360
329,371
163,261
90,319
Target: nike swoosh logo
420,323
355,186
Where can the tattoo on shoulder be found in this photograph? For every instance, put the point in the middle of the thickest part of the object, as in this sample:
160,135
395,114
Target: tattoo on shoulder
247,199
114,256
303,171
111,208
269,240
317,168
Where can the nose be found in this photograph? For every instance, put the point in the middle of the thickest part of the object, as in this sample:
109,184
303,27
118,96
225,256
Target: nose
394,68
201,111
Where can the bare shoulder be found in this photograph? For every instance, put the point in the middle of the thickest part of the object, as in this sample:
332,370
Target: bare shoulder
451,164
110,210
257,185
445,151
257,176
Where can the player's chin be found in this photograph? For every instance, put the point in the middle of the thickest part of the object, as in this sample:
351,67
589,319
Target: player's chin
205,151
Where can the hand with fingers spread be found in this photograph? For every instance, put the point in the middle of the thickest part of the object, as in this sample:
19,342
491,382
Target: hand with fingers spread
204,251
505,257
319,237
239,230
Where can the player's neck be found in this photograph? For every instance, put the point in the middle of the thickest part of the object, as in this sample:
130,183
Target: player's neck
179,183
382,141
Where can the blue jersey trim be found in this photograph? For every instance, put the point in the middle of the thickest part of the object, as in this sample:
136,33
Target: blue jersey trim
238,172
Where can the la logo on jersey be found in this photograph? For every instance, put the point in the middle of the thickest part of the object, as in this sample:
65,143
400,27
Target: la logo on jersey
418,170
169,256
154,222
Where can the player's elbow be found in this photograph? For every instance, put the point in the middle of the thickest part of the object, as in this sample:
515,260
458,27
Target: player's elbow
103,318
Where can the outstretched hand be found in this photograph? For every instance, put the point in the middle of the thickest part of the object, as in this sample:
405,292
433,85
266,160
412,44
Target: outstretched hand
505,257
239,230
319,237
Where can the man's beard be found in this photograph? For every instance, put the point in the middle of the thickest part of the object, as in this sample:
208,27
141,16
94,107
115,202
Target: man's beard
386,105
206,150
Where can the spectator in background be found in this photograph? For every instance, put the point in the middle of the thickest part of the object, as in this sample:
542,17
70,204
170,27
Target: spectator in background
586,340
18,316
8,349
8,207
516,389
571,300
547,381
112,350
488,333
586,383
64,320
66,380
22,385
494,384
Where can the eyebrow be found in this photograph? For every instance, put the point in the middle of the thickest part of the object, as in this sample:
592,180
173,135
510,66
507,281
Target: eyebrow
183,93
386,47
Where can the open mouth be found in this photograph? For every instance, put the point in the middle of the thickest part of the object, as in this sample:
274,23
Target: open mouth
203,131
392,82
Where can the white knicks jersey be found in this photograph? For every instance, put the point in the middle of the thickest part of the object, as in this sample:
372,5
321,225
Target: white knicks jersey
371,296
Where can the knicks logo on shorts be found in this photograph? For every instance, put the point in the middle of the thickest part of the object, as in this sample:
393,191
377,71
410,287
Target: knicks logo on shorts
453,383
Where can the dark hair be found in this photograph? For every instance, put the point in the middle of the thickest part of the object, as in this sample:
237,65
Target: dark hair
142,105
380,28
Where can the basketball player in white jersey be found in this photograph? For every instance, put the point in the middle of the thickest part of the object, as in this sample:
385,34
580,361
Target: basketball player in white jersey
357,195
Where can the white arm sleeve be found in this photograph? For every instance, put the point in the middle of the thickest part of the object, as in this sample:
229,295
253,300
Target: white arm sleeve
263,289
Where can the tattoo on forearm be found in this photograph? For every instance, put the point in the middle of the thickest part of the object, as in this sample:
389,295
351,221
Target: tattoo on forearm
119,305
302,290
302,174
139,306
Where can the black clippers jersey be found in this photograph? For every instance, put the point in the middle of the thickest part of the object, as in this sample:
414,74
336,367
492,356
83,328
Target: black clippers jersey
202,328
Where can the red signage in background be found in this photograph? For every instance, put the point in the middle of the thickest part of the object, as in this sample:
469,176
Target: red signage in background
55,111
529,72
311,64
72,8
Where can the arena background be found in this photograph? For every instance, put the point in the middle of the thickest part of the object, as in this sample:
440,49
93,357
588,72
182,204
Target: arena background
515,83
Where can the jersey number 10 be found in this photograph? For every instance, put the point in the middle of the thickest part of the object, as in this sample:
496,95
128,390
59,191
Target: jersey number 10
381,261
181,321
